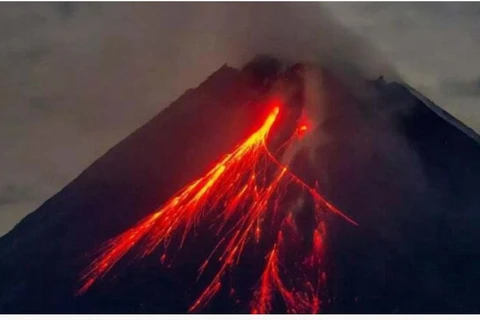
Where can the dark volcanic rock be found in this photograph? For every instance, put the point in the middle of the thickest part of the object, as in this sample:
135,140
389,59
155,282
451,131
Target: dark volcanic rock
42,257
399,165
411,178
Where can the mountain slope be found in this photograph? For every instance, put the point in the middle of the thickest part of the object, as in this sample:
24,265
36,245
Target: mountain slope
130,180
405,174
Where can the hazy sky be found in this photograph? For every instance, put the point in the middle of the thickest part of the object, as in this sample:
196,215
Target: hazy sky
77,78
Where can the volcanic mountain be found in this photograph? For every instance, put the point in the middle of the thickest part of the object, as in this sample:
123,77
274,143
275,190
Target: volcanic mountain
395,180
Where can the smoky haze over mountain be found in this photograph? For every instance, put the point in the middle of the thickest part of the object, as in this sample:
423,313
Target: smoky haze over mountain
79,77
290,32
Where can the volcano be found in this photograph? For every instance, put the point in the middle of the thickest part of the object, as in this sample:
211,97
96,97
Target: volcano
261,191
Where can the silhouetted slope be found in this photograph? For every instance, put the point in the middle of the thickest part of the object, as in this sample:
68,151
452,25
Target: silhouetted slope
406,174
412,180
41,258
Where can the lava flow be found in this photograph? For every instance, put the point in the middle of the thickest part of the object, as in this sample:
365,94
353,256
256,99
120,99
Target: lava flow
245,189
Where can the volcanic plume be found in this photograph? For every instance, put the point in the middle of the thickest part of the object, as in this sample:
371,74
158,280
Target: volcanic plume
259,192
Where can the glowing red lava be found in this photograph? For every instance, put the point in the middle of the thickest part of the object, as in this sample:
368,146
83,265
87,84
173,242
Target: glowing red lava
245,192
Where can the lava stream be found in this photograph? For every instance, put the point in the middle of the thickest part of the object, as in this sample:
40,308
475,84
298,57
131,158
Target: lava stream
245,191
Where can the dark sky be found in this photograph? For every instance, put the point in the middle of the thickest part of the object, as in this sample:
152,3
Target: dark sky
77,78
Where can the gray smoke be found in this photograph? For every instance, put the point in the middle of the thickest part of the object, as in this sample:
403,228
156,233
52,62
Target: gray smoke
236,32
76,78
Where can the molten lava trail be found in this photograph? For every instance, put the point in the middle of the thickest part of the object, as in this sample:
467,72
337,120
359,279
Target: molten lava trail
245,192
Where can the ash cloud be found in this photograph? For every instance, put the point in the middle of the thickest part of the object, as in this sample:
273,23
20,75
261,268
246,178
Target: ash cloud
77,78
291,32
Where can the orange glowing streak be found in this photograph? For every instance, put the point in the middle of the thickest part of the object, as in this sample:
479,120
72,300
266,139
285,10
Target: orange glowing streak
302,295
238,182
